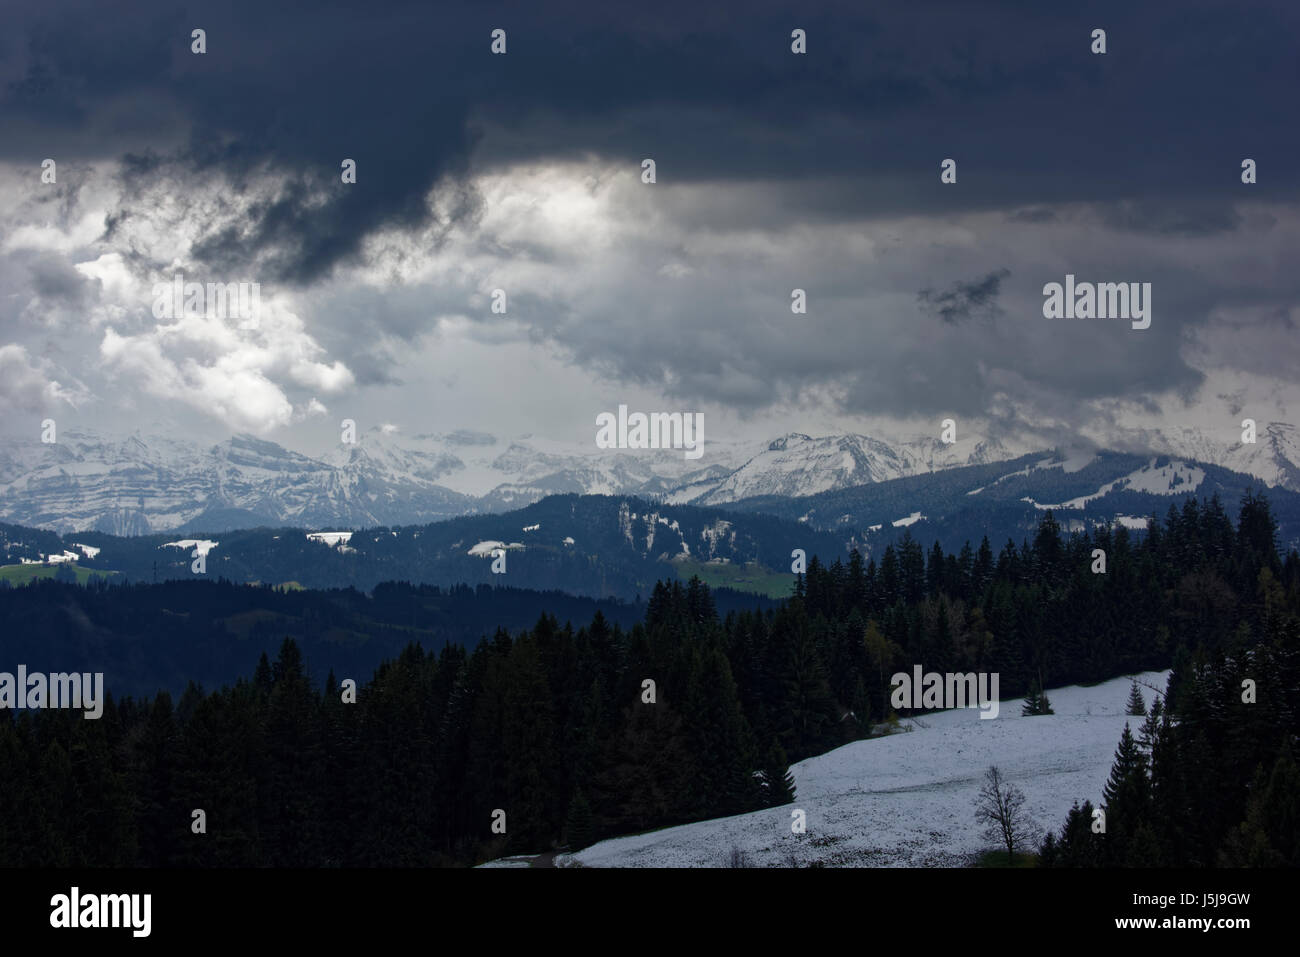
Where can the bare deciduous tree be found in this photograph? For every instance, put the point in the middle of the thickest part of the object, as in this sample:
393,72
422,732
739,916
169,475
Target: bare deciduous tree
1001,807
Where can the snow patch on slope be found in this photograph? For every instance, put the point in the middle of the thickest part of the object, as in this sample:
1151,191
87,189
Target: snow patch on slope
330,538
1176,478
909,799
203,546
485,549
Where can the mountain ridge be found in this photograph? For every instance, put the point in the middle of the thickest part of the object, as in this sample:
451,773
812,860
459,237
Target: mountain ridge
127,485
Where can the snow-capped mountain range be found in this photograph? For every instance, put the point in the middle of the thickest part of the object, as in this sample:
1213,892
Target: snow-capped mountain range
135,485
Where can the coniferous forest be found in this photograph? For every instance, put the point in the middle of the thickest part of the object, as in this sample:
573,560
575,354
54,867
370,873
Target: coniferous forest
579,733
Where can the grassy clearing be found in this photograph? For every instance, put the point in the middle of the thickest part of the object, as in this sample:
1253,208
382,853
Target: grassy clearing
25,574
750,577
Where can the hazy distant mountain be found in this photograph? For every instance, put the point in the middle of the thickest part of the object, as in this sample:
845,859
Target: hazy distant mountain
134,485
600,546
797,465
1006,500
1273,457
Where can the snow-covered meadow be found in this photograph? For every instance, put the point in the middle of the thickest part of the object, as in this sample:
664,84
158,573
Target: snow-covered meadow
908,799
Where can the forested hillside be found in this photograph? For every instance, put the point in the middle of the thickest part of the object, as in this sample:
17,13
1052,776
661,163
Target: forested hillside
593,545
557,727
147,638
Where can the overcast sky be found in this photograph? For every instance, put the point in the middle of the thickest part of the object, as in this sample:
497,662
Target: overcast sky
522,172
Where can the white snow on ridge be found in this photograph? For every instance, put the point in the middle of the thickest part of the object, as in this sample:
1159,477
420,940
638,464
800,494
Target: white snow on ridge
1176,478
1129,522
1073,462
719,531
1078,461
202,545
485,549
90,551
909,799
330,538
910,520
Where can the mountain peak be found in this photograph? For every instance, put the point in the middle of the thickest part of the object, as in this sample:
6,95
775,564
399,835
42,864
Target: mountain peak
784,442
391,478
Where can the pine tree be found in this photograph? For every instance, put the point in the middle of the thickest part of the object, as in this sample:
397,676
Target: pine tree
578,823
1048,852
1129,762
1077,846
1270,834
777,777
291,784
1136,706
720,741
528,746
1127,799
154,783
860,716
1149,733
1036,701
809,714
646,779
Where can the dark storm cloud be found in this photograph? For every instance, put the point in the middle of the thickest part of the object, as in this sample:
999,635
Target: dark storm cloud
373,368
54,279
1190,217
1009,89
962,300
880,350
1117,167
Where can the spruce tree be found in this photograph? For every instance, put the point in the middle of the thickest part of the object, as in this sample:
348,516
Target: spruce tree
1036,701
1077,845
777,776
1127,799
1129,762
1136,706
1149,733
578,823
1270,834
